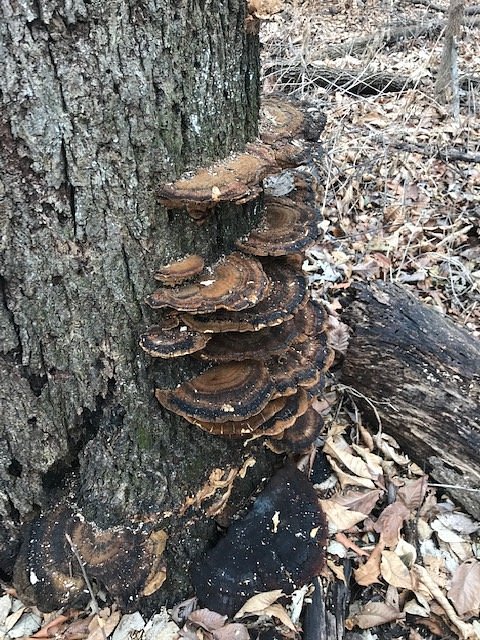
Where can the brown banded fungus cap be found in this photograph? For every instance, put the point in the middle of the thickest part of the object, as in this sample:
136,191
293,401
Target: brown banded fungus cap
299,437
165,341
227,392
288,294
235,179
295,406
284,118
180,270
225,347
124,561
234,283
243,427
287,227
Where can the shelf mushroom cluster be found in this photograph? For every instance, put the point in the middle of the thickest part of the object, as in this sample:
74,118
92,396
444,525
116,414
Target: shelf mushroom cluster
248,316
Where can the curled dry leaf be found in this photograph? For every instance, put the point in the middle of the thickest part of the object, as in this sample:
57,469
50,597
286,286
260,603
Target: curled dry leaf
413,492
339,449
259,602
103,625
394,571
348,480
340,518
279,612
390,522
467,631
464,590
208,620
234,631
360,500
374,614
369,572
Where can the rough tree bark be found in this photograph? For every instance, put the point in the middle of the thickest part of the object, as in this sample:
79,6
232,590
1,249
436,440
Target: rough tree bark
101,101
421,373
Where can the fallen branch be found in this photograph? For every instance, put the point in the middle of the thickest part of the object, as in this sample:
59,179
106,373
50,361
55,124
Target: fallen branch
430,151
469,11
355,81
381,38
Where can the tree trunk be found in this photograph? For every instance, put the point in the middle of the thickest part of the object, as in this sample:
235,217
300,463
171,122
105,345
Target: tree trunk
103,101
421,373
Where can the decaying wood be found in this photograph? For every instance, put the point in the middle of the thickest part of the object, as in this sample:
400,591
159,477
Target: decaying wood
384,37
431,151
325,615
356,81
421,372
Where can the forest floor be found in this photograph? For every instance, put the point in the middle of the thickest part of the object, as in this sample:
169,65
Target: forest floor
400,193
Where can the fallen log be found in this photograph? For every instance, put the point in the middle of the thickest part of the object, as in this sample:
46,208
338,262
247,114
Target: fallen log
421,373
356,81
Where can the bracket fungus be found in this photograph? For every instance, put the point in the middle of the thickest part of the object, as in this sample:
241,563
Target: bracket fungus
167,341
232,391
177,272
235,179
234,283
248,316
284,118
125,562
287,227
279,544
286,127
287,295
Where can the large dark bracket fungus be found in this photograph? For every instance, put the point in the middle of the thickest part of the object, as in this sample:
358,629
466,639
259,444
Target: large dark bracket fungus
127,563
279,544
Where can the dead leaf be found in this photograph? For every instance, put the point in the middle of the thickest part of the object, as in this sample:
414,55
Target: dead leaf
373,614
369,572
340,518
390,522
208,620
233,631
279,612
101,627
413,492
259,602
394,571
362,501
347,479
464,590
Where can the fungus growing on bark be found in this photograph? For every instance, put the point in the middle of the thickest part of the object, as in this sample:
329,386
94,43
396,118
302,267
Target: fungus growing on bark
234,283
287,227
279,544
284,118
126,563
227,392
243,427
288,293
167,341
300,436
235,179
177,272
225,347
296,405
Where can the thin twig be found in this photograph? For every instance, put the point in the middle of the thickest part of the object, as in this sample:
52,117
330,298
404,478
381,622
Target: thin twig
95,607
